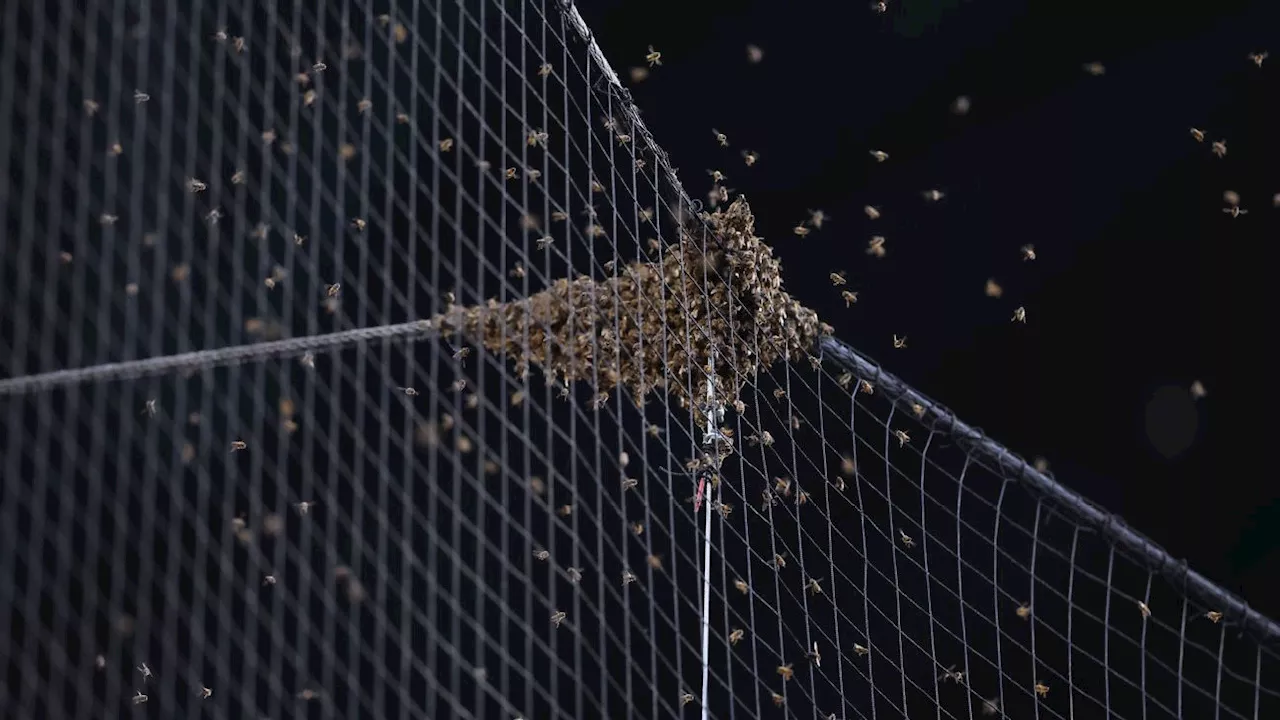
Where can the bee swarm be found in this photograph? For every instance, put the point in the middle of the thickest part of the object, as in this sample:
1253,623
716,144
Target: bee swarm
572,323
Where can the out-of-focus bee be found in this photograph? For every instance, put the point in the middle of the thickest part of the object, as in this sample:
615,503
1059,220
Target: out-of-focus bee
1023,612
872,212
1219,148
993,289
875,246
750,157
1095,69
754,54
933,195
1257,58
1144,609
741,585
880,155
813,586
786,672
653,57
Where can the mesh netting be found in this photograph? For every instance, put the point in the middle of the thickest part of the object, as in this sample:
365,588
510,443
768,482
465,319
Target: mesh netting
369,360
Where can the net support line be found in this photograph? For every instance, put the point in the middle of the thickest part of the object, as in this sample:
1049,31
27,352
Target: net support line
205,359
1108,525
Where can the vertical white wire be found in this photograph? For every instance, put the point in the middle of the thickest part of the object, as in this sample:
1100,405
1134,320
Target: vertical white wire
706,603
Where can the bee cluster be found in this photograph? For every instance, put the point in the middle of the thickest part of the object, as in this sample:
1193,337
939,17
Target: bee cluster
654,325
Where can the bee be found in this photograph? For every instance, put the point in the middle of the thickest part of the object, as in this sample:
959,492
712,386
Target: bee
875,246
1197,134
140,97
213,216
802,497
268,580
446,145
786,672
653,57
518,271
115,149
880,7
459,385
461,354
309,98
872,212
319,67
655,561
1019,315
778,700
860,650
880,155
1095,69
846,378
411,392
993,289
990,706
238,177
149,408
741,585
510,173
565,510
717,176
754,54
637,528
1028,252
800,230
575,574
838,279
907,540
839,483
364,106
1214,616
918,409
814,656
639,74
1023,612
899,342
268,136
933,195
817,218
750,157
1042,690
146,672
720,137
237,445
196,186
1219,148
902,436
1257,58
1197,390
628,577
359,224
544,70
736,636
779,561
629,483
1144,609
299,240
813,586
1235,211
956,676
557,617
91,107
537,138
333,290
139,698
685,699
866,387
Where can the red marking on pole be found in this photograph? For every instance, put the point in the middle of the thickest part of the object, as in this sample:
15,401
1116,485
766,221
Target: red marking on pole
697,499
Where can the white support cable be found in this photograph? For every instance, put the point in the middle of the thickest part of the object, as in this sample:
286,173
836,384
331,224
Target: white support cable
713,442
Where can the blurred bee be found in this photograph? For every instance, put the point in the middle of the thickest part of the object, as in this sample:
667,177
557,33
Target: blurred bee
880,155
750,157
565,510
333,290
1197,134
990,706
880,7
875,246
237,445
778,700
1023,612
1257,58
817,218
786,672
741,585
953,675
860,650
446,145
637,529
872,212
1019,315
541,555
140,97
544,70
1219,148
628,577
411,392
1197,390
800,230
993,289
933,195
653,57
575,574
1028,252
655,561
1235,211
846,378
629,483
364,106
196,186
1144,609
754,54
764,438
1095,69
814,656
537,138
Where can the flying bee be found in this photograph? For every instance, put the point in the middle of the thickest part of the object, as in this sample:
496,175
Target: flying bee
1214,616
838,279
814,656
813,586
902,436
872,212
993,289
1019,315
860,650
629,483
779,561
653,57
140,97
907,540
411,392
1028,252
754,54
1042,690
1023,612
736,636
537,138
717,176
1095,69
544,70
866,387
720,137
1235,211
750,157
899,342
557,618
786,672
933,195
461,354
628,577
1257,58
1197,134
685,699
541,555
817,218
446,145
880,155
196,186
564,510
875,246
1144,609
1197,390
741,585
575,574
800,230
333,290
237,445
1219,148
778,700
956,676
637,528
364,106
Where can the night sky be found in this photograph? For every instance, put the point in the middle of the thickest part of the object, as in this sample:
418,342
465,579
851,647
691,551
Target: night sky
1141,284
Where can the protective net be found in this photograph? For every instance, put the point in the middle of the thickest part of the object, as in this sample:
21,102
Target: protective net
369,360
